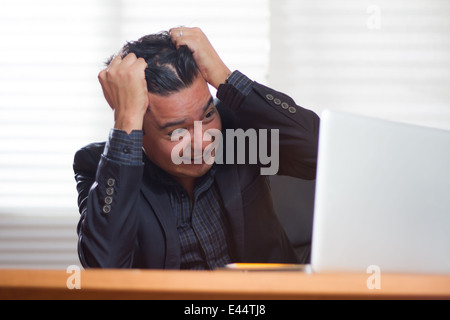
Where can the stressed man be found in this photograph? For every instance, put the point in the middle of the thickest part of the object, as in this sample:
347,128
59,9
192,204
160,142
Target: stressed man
140,207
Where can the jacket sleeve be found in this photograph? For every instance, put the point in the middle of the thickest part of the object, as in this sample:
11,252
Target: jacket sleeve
107,194
298,128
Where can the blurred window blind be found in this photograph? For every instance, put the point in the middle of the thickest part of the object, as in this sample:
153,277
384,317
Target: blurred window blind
388,59
51,103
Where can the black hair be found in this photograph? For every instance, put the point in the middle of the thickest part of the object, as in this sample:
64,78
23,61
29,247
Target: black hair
169,69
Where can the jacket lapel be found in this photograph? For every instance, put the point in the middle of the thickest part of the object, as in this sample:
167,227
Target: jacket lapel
229,187
228,184
158,199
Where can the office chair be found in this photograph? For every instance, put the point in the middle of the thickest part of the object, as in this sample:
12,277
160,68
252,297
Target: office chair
294,203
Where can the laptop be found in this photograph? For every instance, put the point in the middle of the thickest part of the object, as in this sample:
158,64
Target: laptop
382,197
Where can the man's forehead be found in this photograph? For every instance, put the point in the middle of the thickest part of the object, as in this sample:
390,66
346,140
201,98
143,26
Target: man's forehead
183,103
178,112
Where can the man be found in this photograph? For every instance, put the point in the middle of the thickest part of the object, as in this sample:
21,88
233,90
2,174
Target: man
141,210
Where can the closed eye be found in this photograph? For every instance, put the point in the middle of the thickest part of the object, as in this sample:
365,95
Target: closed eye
210,113
178,132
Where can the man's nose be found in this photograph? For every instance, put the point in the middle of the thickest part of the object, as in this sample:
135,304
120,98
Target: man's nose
197,142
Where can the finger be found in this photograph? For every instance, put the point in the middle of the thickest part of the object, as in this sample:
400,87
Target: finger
179,36
141,63
102,75
129,60
173,35
177,32
114,62
136,69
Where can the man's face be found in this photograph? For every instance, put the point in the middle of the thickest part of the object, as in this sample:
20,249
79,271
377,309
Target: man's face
169,114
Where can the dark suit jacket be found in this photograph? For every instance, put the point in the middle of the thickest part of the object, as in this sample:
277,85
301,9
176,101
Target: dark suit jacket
140,229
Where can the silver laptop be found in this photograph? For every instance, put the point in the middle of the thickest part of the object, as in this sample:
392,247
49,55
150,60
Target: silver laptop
382,197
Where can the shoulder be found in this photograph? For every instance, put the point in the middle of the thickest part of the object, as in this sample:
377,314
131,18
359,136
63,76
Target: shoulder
88,156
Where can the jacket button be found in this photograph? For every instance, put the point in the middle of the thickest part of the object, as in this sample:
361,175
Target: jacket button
292,110
277,101
284,105
108,200
109,191
269,97
106,208
110,182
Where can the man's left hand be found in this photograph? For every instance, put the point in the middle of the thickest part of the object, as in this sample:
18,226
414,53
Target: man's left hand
208,61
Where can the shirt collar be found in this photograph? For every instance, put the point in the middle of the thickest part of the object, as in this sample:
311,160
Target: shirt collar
161,176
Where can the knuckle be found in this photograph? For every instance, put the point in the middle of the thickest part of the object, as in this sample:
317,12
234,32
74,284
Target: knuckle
102,75
117,73
129,73
130,56
111,72
125,75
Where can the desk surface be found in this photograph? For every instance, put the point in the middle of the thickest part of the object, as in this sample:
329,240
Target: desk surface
159,284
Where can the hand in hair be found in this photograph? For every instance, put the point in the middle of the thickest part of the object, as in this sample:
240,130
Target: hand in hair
208,61
125,89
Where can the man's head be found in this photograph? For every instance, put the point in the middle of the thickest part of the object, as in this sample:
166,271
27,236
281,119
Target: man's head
178,96
169,69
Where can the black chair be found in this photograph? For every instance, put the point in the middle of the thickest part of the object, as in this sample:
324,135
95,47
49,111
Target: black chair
294,203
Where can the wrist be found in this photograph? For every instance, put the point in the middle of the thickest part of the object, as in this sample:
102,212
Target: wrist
123,147
220,77
236,88
128,123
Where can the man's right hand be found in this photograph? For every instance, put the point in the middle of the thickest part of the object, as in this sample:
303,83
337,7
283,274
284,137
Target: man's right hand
125,89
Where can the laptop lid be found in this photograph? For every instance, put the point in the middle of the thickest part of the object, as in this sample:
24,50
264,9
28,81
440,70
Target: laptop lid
382,196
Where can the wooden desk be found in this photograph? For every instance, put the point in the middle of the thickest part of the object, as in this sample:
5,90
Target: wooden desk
148,284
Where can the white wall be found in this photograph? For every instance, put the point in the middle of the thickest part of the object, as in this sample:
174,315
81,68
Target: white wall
389,59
